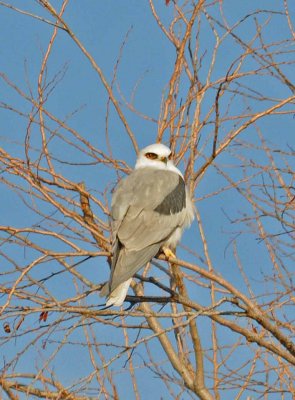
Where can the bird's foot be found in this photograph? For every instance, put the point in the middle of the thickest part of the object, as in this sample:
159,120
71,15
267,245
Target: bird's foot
168,252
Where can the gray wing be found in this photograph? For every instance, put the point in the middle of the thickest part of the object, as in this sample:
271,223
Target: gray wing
147,207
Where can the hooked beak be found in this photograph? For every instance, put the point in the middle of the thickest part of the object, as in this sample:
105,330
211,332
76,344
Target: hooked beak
164,160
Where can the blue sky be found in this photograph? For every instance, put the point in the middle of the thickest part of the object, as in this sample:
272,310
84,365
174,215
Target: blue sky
146,63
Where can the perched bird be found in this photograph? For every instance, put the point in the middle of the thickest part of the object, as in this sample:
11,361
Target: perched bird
149,210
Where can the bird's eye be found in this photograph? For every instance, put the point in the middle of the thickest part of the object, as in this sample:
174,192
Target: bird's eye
151,156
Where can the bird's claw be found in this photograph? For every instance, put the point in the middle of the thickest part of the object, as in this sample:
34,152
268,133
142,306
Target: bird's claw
168,252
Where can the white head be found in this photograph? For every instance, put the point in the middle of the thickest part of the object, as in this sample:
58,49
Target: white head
156,156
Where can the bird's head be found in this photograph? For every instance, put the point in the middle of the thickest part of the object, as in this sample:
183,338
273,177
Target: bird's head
158,156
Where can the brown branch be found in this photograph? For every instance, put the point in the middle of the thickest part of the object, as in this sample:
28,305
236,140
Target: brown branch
41,394
238,131
178,68
88,218
66,27
198,373
253,311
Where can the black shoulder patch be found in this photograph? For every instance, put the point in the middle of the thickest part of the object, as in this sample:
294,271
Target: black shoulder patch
174,202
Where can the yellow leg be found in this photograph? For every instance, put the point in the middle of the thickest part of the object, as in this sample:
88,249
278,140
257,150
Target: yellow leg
168,252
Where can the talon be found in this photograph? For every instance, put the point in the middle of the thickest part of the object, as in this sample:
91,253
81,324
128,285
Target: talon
168,252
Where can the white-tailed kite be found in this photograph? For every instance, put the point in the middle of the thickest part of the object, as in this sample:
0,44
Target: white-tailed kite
150,208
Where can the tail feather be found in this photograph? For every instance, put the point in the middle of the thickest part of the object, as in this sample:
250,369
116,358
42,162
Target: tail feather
117,296
125,264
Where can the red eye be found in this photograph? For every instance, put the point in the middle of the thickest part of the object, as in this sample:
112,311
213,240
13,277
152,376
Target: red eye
151,156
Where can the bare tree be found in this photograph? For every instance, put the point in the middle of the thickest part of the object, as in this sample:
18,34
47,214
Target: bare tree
215,323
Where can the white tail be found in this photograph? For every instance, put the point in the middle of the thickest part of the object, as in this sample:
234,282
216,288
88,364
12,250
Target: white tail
117,296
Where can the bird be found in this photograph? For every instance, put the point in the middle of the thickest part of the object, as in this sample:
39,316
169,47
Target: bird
150,209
